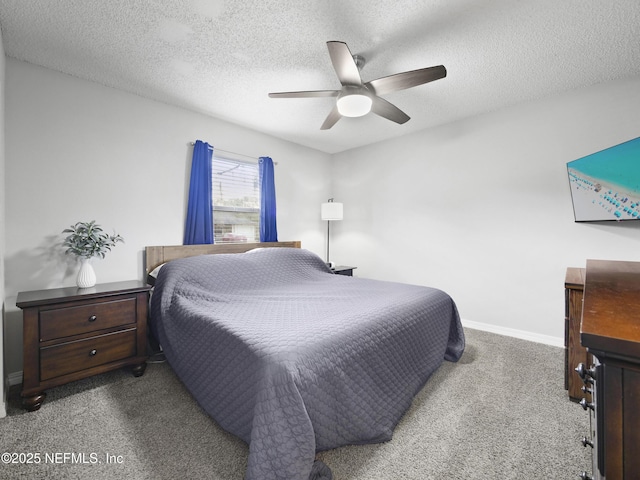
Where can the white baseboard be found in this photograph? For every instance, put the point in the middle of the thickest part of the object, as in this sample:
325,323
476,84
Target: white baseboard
3,399
512,332
15,378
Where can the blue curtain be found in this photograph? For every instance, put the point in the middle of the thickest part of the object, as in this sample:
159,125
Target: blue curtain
199,225
268,229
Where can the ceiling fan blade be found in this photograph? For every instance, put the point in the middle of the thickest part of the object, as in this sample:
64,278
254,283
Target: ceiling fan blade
307,94
401,81
344,64
388,110
331,119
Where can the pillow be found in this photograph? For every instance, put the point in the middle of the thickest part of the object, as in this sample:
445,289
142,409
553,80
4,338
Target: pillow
153,274
254,250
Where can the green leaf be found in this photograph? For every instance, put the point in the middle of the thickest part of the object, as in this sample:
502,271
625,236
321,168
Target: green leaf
87,239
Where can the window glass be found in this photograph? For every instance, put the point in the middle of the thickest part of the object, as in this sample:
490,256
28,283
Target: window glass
236,201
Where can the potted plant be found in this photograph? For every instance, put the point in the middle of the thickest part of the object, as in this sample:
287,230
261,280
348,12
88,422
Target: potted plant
87,240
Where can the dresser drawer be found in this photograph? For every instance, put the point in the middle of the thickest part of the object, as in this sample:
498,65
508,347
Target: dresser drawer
74,320
70,357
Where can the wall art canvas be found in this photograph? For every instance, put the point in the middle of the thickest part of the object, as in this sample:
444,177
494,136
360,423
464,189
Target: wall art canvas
606,185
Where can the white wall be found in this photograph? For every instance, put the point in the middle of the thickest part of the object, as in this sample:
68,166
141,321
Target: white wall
76,150
481,208
3,410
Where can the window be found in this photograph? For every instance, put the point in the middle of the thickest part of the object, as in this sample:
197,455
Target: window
236,201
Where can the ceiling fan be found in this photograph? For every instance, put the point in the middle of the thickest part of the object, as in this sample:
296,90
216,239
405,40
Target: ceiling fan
356,98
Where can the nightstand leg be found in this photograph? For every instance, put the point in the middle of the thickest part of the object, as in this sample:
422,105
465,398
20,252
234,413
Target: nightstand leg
33,402
139,369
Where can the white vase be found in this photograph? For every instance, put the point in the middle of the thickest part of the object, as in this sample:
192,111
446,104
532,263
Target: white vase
86,276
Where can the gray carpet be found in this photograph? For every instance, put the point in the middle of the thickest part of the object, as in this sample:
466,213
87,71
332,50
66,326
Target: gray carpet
499,413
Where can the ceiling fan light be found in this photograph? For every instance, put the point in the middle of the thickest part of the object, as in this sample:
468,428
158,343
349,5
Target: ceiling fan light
354,104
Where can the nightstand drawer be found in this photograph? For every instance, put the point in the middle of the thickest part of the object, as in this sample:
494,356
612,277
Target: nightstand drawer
70,357
65,322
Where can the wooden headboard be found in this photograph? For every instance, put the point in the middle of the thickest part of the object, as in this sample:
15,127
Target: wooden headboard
155,256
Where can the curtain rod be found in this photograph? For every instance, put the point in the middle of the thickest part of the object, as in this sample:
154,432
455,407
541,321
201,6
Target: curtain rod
232,153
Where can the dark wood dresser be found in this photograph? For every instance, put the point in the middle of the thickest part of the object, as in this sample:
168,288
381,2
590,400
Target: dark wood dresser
574,352
610,331
72,333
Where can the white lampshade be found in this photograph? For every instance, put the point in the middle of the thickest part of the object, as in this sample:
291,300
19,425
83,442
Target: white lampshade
354,105
331,211
354,101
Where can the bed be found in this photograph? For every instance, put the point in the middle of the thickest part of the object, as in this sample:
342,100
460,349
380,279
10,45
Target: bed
291,358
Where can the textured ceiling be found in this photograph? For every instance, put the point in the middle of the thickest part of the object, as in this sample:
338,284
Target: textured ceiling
223,57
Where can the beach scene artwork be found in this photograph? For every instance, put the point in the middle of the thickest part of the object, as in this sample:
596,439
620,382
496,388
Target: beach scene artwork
606,185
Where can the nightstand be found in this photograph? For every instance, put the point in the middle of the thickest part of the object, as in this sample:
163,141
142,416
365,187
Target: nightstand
343,270
72,333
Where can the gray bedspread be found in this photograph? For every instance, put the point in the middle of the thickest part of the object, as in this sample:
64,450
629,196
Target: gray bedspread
295,360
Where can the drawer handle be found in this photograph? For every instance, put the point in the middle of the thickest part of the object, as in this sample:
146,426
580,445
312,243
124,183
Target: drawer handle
584,404
586,374
585,441
93,318
93,352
